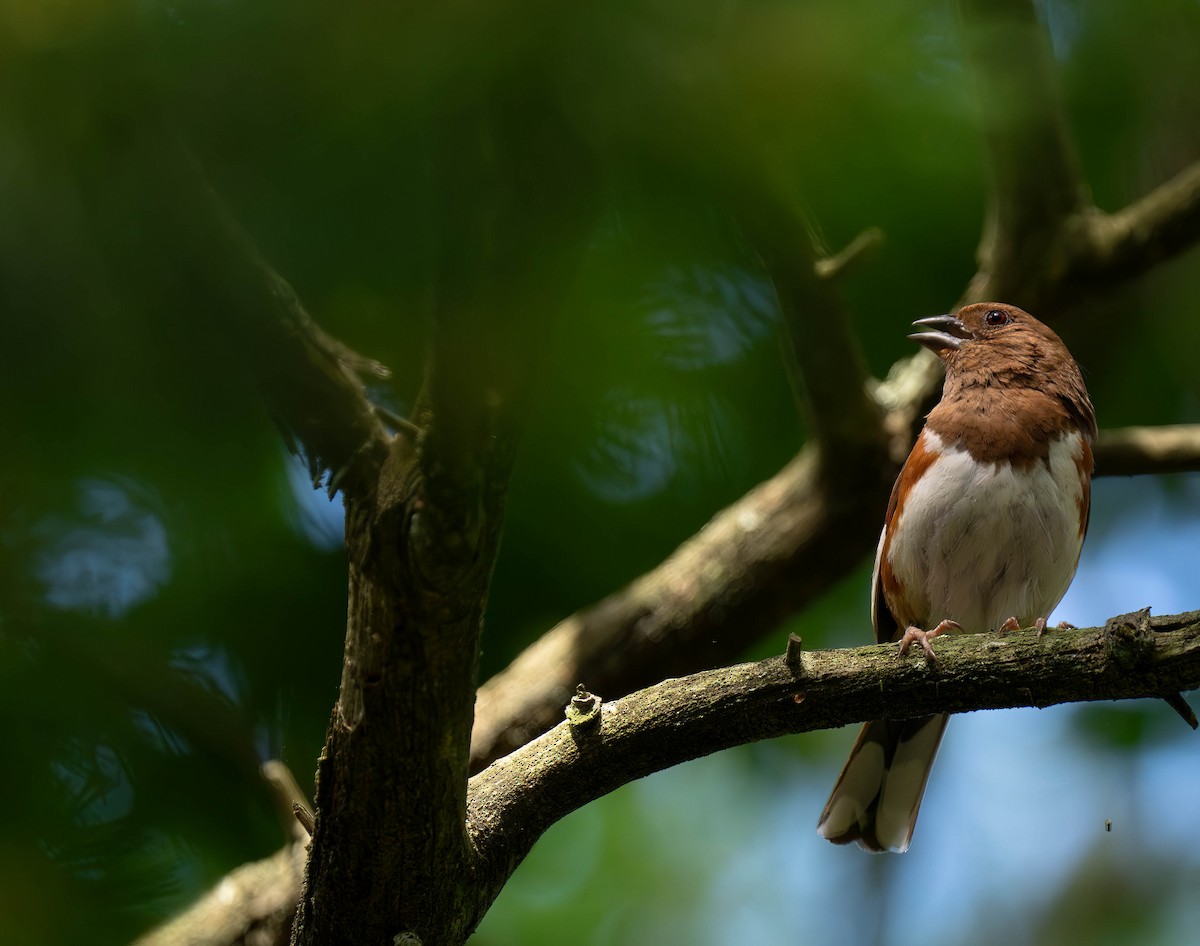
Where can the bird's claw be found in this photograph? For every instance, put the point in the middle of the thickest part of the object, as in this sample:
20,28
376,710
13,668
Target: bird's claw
1040,624
1012,624
923,637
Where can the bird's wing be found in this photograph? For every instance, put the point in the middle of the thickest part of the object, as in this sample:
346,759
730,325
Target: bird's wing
882,619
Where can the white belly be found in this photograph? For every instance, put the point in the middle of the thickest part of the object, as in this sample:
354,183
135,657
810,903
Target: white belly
977,543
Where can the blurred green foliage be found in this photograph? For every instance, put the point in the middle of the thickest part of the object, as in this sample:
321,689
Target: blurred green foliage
172,596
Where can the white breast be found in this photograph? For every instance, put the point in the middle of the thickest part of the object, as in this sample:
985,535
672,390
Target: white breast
978,543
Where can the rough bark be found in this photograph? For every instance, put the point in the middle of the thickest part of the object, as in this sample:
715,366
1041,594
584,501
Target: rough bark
390,858
602,745
513,801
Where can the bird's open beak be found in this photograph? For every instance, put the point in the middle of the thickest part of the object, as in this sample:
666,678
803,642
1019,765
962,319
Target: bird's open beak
952,333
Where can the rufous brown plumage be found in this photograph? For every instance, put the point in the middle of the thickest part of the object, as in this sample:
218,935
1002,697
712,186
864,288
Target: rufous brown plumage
983,532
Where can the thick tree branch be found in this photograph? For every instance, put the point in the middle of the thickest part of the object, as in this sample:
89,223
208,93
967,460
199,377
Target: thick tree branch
756,562
1036,182
1113,247
252,906
1130,451
517,798
422,545
512,802
311,382
761,559
822,351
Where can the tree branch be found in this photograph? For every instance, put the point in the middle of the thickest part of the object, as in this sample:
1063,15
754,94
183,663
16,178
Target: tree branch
821,350
1163,223
763,558
1109,248
512,802
1036,182
517,798
421,547
759,560
311,382
251,906
1130,451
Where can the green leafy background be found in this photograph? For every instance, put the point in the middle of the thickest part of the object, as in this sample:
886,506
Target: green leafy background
172,591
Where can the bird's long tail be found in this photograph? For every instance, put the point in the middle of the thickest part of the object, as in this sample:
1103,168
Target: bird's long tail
878,795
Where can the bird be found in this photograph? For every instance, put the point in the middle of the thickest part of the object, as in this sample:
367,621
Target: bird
983,531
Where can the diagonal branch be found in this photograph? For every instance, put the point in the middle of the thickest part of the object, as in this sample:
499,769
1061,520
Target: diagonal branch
1036,183
821,349
765,557
517,798
1121,245
1130,451
1160,225
312,383
756,562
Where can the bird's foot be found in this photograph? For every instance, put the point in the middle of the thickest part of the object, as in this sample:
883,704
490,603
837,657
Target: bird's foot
1012,624
923,638
1040,624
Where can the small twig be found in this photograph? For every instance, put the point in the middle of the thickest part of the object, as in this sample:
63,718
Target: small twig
288,793
857,250
794,652
1159,225
398,423
305,817
1180,706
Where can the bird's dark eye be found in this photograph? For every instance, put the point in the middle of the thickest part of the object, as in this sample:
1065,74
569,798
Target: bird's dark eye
996,317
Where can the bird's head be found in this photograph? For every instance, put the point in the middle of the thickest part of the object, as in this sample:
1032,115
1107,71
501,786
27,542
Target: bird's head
979,325
990,348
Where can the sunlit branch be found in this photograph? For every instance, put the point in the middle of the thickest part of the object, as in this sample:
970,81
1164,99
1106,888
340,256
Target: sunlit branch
512,802
1130,451
253,904
1163,224
765,557
516,798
